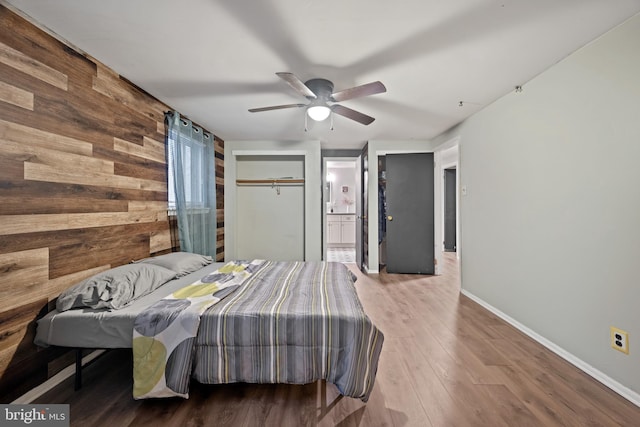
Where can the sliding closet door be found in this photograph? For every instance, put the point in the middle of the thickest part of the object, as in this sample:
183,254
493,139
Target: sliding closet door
270,219
410,220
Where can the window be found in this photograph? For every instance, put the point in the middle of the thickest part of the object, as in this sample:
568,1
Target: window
193,157
191,185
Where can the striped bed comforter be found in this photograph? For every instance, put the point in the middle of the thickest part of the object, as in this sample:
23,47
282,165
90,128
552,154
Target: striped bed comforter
291,322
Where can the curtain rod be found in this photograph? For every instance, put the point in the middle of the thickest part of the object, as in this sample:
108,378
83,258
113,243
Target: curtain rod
193,124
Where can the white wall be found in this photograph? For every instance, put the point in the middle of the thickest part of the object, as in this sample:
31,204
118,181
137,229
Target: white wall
551,220
343,177
312,210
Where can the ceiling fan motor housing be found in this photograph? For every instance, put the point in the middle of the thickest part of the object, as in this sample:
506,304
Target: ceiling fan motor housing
321,87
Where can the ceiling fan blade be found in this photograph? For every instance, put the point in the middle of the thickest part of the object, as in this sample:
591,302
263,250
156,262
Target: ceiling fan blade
358,91
297,84
352,114
276,107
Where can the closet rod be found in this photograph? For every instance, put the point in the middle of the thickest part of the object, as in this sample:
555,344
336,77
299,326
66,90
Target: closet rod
269,181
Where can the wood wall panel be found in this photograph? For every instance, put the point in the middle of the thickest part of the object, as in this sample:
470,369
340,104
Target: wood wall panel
33,205
26,363
66,174
45,189
26,241
145,172
160,241
26,82
148,150
83,186
24,275
78,164
21,224
41,47
37,138
115,251
21,62
16,96
15,323
10,168
110,84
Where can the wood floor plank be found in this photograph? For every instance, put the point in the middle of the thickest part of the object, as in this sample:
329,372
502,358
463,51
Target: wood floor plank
512,410
446,361
552,385
548,411
596,394
402,402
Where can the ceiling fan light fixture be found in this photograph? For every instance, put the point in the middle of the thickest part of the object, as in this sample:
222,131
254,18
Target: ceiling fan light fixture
318,112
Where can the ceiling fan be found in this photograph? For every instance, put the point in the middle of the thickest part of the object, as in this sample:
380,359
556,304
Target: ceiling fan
320,93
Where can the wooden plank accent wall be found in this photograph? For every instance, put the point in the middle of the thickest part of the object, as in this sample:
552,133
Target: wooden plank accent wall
82,186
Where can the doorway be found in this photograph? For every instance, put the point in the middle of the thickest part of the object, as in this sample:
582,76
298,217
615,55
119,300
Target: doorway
448,188
342,192
450,209
406,218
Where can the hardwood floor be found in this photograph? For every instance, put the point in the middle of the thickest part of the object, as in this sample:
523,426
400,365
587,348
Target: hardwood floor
446,361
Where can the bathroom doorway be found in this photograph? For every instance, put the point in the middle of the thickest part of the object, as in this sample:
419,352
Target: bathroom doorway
342,193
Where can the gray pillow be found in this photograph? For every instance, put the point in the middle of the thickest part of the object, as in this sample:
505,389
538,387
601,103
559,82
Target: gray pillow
115,288
182,263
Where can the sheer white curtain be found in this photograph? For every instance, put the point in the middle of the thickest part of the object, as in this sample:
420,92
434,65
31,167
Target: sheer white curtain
192,184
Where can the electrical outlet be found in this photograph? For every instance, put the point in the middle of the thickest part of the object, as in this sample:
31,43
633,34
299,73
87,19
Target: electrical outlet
620,340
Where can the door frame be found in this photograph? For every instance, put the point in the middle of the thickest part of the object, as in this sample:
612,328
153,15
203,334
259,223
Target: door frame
410,237
380,148
447,156
325,195
445,186
312,190
372,266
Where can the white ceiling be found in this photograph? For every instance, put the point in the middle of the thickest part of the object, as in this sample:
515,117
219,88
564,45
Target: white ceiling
214,59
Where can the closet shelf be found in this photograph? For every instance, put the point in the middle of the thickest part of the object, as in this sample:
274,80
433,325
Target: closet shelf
271,181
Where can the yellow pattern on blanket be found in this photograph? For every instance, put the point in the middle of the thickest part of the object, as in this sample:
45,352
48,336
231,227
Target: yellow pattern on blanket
164,333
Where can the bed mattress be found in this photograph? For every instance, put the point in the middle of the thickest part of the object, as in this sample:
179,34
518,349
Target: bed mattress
88,328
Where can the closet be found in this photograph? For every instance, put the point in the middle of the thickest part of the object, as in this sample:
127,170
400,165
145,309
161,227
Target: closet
270,207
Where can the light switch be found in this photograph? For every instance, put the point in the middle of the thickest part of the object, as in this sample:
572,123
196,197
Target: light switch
463,189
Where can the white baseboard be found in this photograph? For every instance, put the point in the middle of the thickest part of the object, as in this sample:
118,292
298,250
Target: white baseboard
58,378
598,375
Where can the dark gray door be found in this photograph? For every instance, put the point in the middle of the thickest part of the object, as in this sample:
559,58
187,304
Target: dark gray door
410,230
450,210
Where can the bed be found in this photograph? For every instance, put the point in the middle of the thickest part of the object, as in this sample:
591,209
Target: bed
293,322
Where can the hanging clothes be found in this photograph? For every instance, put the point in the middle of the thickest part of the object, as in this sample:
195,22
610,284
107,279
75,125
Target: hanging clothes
382,212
